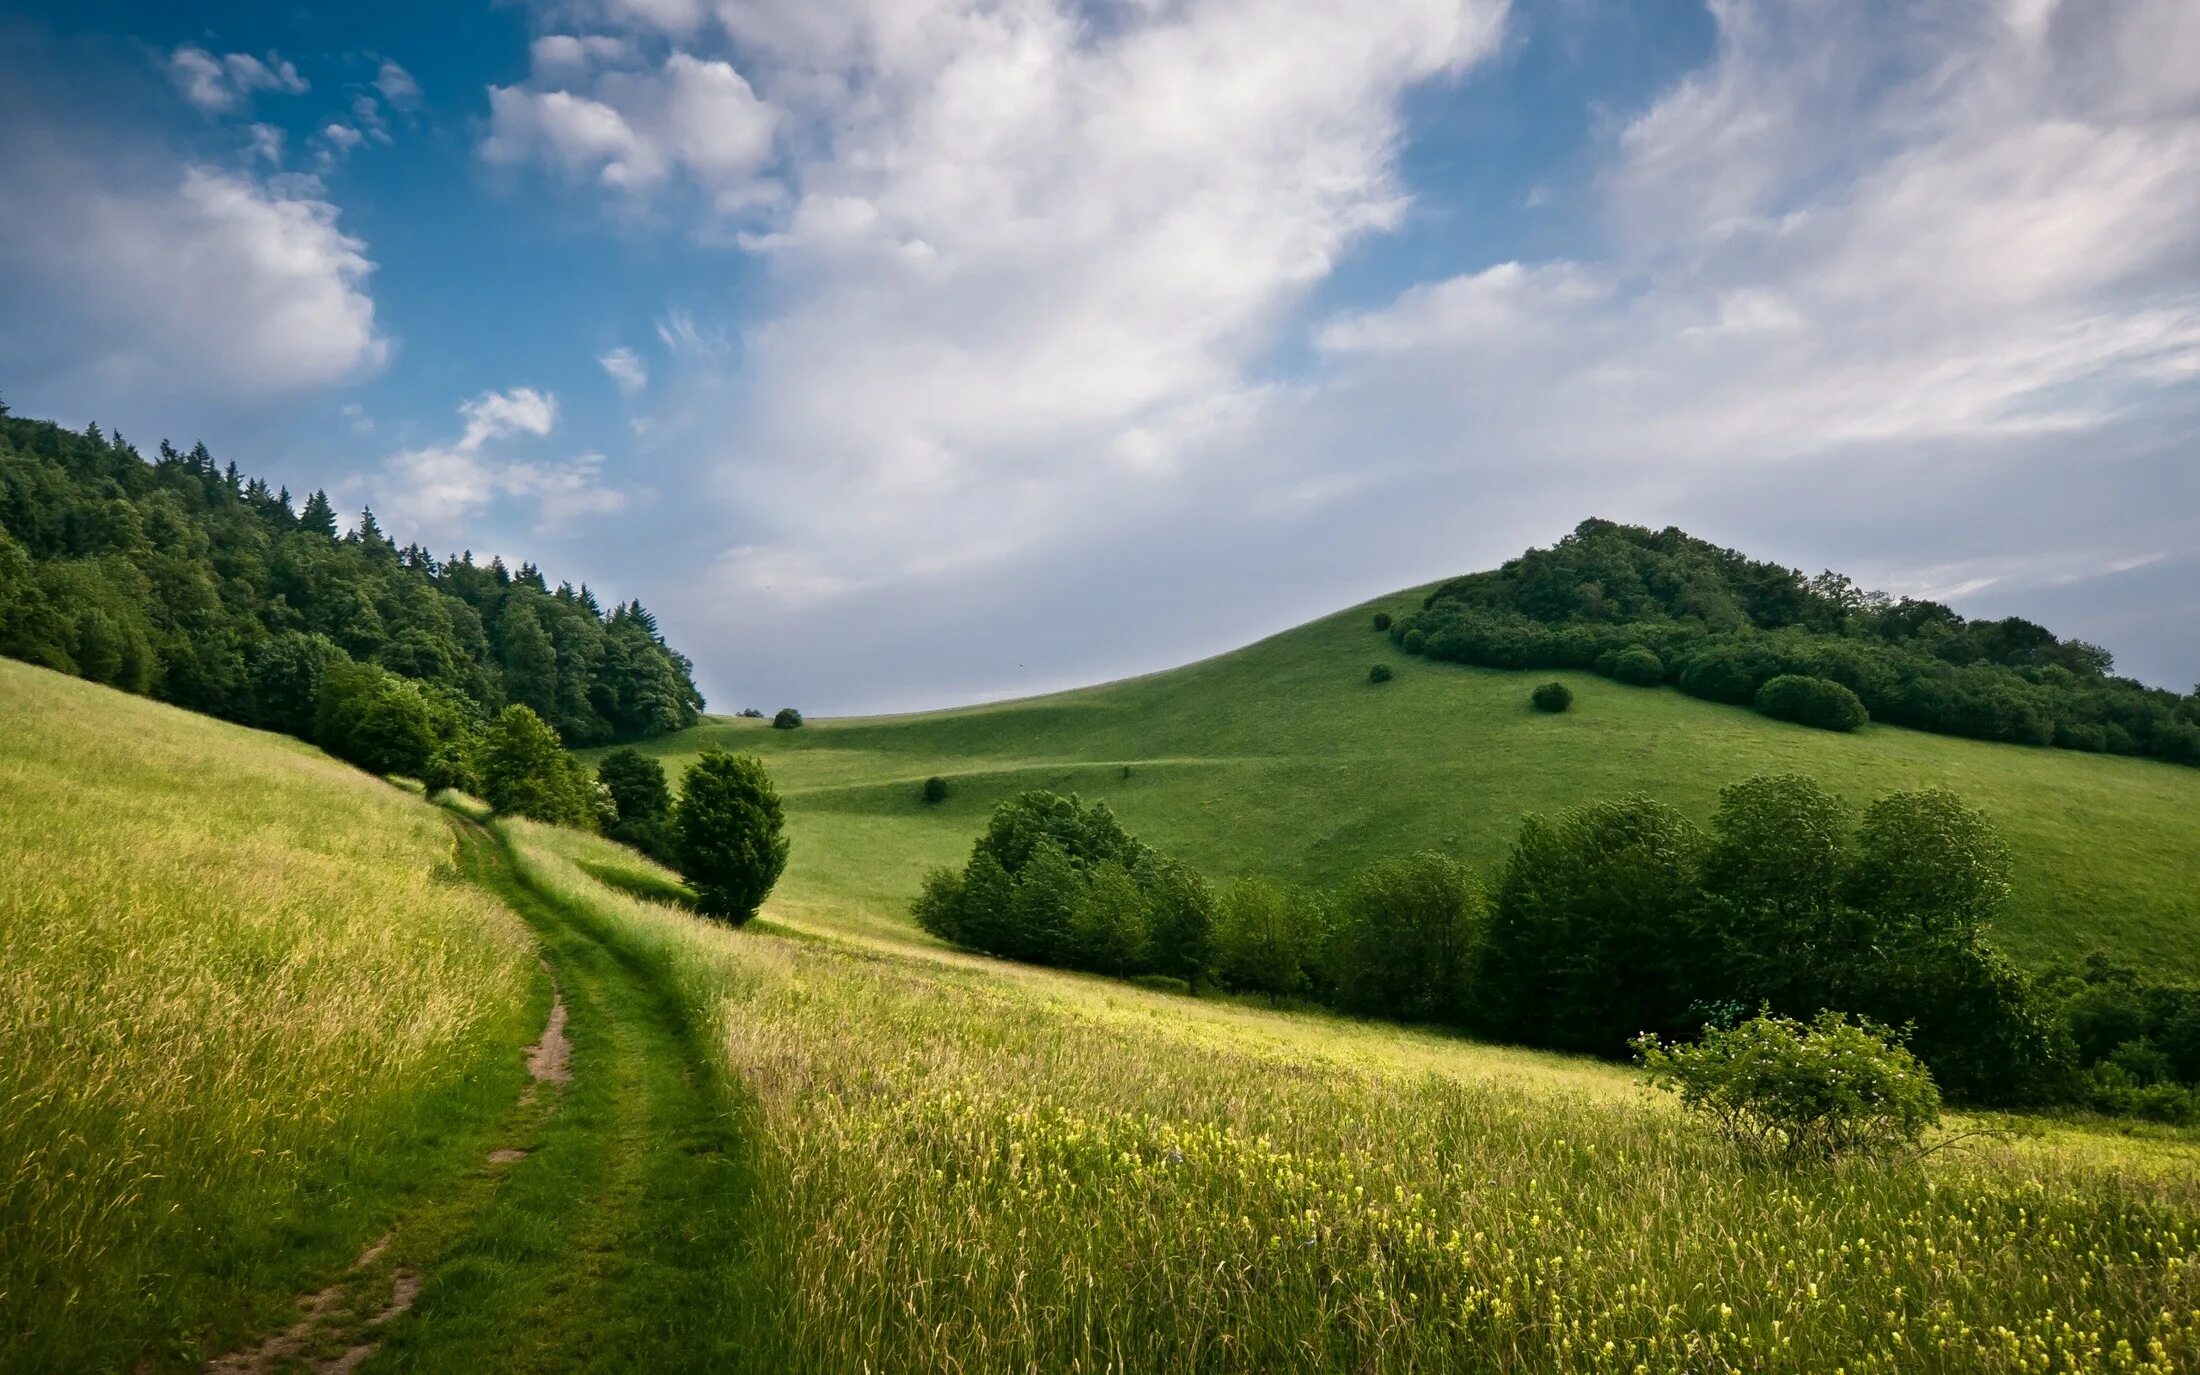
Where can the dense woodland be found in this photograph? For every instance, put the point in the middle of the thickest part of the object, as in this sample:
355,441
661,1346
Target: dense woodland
183,579
1652,606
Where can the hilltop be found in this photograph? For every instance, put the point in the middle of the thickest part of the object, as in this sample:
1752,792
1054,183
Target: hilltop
1281,760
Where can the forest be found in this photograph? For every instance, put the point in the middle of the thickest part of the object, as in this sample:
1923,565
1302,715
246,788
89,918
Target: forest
1649,606
185,580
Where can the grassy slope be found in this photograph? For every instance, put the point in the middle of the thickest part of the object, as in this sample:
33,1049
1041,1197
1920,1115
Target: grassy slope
244,1015
973,1166
1281,760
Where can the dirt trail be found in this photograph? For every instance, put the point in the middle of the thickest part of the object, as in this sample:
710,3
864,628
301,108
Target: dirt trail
327,1315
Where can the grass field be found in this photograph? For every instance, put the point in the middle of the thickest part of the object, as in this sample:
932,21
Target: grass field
246,1012
1281,760
963,1165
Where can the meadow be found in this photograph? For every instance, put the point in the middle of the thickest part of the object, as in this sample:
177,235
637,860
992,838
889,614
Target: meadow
970,1166
247,1011
1281,761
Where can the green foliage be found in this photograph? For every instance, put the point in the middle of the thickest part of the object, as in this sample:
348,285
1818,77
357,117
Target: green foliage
1801,1091
1382,621
1728,625
1180,921
368,716
1413,642
787,719
1405,939
1268,940
190,583
1552,697
637,786
1817,702
935,791
1379,674
1638,666
525,771
730,834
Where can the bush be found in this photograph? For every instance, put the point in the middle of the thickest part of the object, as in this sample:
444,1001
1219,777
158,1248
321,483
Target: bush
730,834
751,714
935,791
1800,1091
1413,642
1382,620
1638,667
1553,696
787,719
1817,702
1379,674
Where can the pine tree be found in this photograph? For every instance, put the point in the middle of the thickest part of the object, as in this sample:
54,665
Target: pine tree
318,517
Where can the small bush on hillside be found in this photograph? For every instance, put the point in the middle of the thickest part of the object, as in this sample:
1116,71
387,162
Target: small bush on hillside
1818,702
1379,674
1382,620
1638,667
787,719
730,834
1552,696
935,791
751,714
1413,642
1800,1091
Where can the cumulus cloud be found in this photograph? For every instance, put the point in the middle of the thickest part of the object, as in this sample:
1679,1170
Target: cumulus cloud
626,370
217,85
438,488
397,86
142,279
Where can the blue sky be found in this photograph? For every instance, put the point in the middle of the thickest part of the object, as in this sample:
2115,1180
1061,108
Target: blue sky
901,352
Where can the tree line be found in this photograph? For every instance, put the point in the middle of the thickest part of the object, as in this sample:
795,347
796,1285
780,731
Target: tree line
1648,607
1609,921
185,580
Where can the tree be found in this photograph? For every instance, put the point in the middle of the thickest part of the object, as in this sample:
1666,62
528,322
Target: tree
1777,929
787,719
1406,934
637,785
1267,940
1552,697
1927,862
1808,701
1108,922
370,717
1180,921
319,517
284,674
525,771
730,834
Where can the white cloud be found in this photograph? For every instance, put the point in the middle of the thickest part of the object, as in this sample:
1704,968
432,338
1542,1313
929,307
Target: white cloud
267,143
342,137
625,367
397,85
220,84
159,282
437,489
632,130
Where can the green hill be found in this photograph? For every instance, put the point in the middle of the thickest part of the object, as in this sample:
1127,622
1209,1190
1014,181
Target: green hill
1281,759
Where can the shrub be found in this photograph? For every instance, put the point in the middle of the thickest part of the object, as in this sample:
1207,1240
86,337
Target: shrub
935,790
1800,1091
1413,642
1638,667
751,714
1379,674
787,719
730,834
1818,702
1382,620
1552,696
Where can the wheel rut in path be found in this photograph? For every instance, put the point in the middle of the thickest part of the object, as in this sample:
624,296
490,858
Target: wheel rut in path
603,1233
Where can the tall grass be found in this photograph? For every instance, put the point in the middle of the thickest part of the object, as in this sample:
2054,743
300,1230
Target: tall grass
238,1008
969,1167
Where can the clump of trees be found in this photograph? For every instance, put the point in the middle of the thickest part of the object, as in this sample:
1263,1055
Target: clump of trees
1552,697
1611,920
525,771
729,834
185,580
1721,627
787,719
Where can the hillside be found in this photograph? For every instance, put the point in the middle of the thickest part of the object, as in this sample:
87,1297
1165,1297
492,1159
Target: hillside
1280,759
243,1016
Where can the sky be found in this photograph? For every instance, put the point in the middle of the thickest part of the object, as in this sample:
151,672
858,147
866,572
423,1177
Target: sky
900,353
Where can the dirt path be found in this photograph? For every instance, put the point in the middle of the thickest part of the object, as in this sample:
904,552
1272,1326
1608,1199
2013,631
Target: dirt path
601,1234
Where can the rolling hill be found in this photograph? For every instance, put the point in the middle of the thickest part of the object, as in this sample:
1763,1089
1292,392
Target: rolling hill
1281,760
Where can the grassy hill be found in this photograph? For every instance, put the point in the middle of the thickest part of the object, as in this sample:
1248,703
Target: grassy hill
1281,759
242,1016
